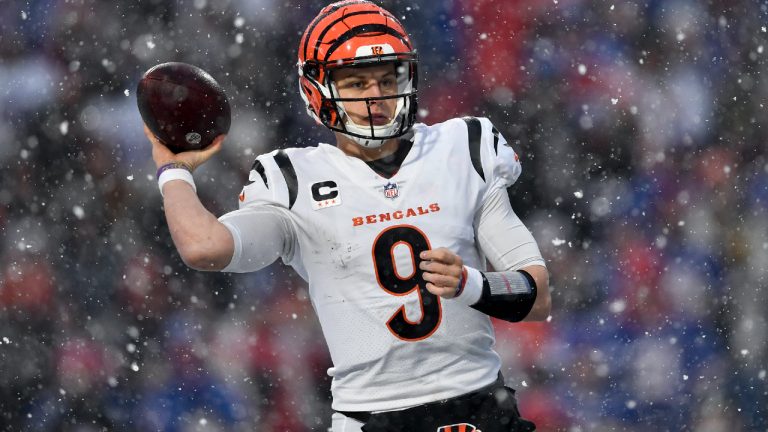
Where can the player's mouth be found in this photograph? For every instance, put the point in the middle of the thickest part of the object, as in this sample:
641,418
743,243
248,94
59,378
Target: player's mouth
377,119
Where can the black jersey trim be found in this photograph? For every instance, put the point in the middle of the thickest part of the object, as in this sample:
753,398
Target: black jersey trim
388,166
474,132
289,173
495,140
259,168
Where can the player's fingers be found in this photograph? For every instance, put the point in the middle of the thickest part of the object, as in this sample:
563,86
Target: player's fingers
438,254
160,153
433,289
219,140
441,254
440,268
441,280
153,139
149,134
195,158
440,291
213,148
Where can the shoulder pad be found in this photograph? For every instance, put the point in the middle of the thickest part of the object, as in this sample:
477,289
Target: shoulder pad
492,157
272,180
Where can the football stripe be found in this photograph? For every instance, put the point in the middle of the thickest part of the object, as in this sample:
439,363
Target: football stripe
365,28
319,18
495,140
333,23
289,173
474,131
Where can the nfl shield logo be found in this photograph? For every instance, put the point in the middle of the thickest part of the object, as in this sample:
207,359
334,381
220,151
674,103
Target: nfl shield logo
390,190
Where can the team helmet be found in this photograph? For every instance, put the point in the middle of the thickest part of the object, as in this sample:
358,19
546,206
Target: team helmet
356,33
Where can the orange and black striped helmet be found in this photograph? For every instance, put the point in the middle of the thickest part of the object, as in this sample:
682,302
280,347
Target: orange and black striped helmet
356,33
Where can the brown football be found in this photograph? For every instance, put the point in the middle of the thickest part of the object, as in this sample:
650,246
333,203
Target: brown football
183,106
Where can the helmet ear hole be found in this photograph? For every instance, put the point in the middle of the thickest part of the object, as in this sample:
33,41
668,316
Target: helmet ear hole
310,95
325,115
328,114
311,70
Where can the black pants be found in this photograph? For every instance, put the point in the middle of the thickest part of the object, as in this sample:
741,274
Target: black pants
490,409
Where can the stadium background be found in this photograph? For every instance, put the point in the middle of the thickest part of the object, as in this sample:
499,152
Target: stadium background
641,126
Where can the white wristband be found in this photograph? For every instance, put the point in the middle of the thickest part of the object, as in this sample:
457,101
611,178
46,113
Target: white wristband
175,174
473,288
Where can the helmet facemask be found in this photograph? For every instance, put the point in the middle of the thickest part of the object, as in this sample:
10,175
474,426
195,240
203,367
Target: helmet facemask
333,113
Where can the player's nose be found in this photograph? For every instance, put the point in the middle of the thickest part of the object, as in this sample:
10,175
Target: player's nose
374,89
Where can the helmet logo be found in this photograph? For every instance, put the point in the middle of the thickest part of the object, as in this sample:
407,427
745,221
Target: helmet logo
379,49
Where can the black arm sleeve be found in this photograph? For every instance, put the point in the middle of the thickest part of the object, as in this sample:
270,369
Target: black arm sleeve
504,299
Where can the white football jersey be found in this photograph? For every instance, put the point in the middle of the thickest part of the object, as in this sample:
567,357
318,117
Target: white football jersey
358,238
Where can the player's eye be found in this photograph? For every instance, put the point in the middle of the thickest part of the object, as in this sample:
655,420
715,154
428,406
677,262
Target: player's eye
352,84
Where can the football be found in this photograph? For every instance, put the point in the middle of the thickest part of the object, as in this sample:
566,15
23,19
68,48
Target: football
183,106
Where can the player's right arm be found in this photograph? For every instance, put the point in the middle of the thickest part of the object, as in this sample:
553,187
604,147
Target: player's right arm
243,240
203,242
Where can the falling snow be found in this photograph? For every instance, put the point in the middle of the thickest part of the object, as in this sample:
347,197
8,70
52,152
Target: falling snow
78,211
640,128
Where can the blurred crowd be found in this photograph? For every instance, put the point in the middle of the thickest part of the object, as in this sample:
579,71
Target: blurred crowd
642,130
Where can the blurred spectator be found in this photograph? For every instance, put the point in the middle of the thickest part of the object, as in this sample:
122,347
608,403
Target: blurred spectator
642,130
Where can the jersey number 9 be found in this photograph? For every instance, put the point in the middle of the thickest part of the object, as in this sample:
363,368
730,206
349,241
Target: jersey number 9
393,283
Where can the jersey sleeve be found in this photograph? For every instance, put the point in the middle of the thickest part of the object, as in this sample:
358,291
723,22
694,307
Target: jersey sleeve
264,228
261,234
503,238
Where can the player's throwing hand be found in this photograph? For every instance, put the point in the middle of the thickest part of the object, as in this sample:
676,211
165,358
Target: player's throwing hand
192,159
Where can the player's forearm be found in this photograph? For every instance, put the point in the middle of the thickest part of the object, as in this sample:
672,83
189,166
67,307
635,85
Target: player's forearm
511,295
203,242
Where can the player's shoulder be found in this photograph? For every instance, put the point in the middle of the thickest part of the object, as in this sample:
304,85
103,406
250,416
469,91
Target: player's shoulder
292,153
457,122
285,160
467,129
273,176
446,126
485,148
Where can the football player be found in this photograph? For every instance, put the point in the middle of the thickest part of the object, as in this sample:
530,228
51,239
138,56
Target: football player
391,227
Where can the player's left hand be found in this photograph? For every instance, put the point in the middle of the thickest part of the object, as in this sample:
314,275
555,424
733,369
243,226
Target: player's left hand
442,271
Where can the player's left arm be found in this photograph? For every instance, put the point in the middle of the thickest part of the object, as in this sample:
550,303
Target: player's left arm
511,295
518,289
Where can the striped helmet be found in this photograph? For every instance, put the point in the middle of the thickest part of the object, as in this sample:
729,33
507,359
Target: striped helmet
356,33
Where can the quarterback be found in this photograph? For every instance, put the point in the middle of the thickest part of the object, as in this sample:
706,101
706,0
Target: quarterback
391,227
